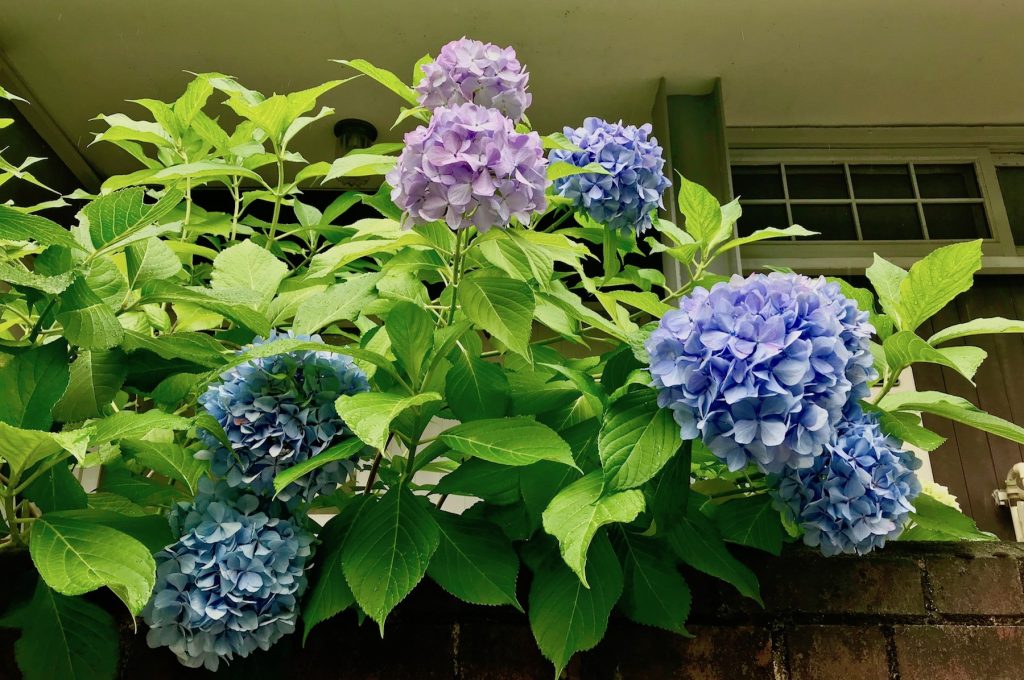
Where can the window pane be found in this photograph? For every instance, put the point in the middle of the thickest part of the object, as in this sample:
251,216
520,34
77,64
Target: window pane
760,216
947,181
881,181
956,220
1011,184
757,181
833,222
816,181
889,222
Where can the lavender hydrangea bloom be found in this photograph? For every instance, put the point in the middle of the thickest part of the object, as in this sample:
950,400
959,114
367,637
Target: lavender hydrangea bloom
279,411
762,368
469,167
469,71
231,582
626,196
858,493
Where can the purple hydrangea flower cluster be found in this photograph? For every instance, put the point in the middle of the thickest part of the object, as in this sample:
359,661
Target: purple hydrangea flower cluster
858,494
762,368
469,167
231,583
279,411
625,197
469,71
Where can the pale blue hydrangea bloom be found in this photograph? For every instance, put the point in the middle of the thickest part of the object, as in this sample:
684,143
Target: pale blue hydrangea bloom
857,495
231,583
761,368
626,197
279,411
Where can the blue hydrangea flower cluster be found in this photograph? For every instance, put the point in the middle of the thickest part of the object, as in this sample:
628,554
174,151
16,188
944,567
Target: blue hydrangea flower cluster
857,494
469,167
625,197
471,72
277,412
762,368
231,583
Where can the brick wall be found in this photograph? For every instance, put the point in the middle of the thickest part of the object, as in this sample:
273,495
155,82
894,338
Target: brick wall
928,611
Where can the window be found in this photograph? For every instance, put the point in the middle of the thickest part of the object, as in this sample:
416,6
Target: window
1010,172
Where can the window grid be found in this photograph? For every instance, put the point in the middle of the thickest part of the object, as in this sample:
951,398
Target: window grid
852,200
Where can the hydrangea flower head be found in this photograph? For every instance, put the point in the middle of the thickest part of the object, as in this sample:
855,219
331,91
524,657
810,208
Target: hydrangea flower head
279,411
469,167
858,494
762,368
471,72
626,196
230,584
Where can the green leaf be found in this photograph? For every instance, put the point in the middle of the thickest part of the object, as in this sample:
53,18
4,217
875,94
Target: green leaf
115,219
369,414
168,459
702,212
340,302
764,235
905,348
18,226
247,266
388,550
668,494
140,490
565,616
935,280
637,439
557,140
329,593
22,277
360,165
886,278
953,408
474,561
57,489
509,441
475,388
497,484
96,376
384,77
411,330
151,530
502,306
343,451
149,260
936,521
87,320
198,348
560,169
75,557
751,521
907,428
65,637
696,542
163,291
31,383
992,325
655,593
24,448
579,510
134,425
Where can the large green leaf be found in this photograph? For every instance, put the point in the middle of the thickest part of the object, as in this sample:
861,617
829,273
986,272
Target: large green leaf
476,388
64,637
905,348
474,561
31,383
19,276
247,266
502,306
340,302
509,441
936,521
135,425
886,278
765,234
384,77
57,489
118,218
87,320
360,165
995,324
96,376
18,226
343,451
411,330
935,280
580,509
907,428
198,348
149,260
387,551
702,212
637,439
953,408
164,291
75,557
24,448
168,459
369,414
751,521
696,541
566,617
497,484
655,593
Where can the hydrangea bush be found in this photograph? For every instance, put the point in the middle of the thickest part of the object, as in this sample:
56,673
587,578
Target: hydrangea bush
234,374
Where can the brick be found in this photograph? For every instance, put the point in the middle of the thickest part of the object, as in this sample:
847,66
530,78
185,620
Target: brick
985,585
960,652
813,584
837,653
632,652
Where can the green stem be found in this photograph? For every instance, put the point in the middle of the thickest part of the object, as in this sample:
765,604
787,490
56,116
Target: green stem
890,382
554,225
456,275
34,334
236,198
372,477
11,516
277,198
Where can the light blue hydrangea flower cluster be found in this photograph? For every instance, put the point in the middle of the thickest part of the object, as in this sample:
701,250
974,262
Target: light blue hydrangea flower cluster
231,583
761,368
277,412
631,191
858,493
